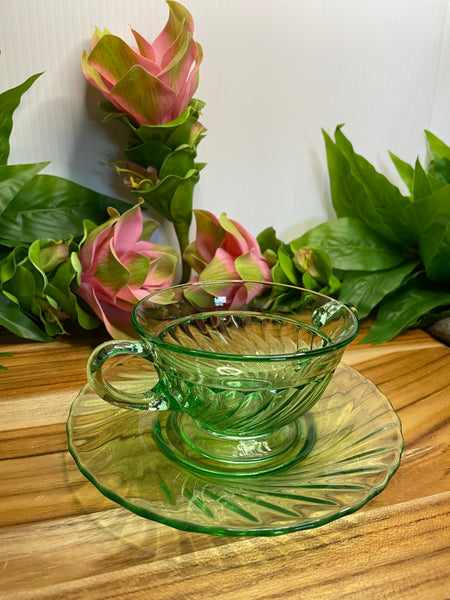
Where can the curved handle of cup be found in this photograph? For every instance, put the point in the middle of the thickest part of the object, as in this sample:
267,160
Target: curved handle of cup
153,399
327,312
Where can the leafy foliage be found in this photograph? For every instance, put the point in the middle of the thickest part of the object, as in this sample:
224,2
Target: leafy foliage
41,225
390,252
306,267
162,169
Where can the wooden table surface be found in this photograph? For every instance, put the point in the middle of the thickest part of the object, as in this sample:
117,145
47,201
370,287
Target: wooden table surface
61,539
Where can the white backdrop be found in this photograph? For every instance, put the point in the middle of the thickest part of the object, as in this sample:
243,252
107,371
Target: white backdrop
274,73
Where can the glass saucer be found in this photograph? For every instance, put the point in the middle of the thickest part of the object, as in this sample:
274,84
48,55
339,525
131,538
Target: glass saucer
353,444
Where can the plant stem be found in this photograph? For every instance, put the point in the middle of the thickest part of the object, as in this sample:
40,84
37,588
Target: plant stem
182,233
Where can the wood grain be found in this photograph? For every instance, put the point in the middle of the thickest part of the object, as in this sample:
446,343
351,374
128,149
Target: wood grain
60,538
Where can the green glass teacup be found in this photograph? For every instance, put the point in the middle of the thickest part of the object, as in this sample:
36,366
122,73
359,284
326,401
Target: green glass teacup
237,367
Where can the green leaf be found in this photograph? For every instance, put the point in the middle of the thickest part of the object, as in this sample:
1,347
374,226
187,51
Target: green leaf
429,218
367,290
309,283
25,286
403,309
179,162
285,259
439,167
347,193
181,201
12,180
438,148
409,175
268,240
111,273
315,262
351,245
278,275
9,263
151,153
9,101
440,170
435,251
421,184
166,198
54,208
41,294
174,132
247,268
405,171
59,289
358,190
13,319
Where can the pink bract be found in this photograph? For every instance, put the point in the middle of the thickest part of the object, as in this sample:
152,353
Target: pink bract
120,267
152,83
225,250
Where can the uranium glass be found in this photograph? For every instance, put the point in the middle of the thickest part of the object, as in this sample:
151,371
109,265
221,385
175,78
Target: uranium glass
236,365
231,414
344,451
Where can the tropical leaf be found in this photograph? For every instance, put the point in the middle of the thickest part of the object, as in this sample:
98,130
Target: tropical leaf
14,320
53,207
12,180
9,101
404,309
366,290
358,190
351,245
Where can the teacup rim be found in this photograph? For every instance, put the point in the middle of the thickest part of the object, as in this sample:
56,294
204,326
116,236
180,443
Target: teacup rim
147,336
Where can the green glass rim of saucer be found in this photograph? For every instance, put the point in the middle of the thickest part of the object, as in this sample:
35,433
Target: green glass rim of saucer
357,448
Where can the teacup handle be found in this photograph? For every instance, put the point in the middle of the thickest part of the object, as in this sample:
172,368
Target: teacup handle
153,399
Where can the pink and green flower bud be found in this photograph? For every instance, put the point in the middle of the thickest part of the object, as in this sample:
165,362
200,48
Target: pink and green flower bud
224,250
53,255
315,262
317,274
152,83
120,267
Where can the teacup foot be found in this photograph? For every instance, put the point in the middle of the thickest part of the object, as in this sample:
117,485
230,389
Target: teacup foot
180,438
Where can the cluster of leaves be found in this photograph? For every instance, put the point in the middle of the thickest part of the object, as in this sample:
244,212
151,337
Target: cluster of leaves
305,267
390,252
41,227
171,150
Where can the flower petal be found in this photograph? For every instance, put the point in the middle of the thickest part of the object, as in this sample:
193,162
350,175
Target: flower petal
207,239
93,76
98,33
162,271
192,256
138,265
177,70
238,240
127,230
144,97
96,245
116,320
179,24
111,273
185,93
113,58
221,267
144,47
248,267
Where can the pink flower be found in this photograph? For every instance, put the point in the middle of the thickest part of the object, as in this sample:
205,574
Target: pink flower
224,250
152,83
120,267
